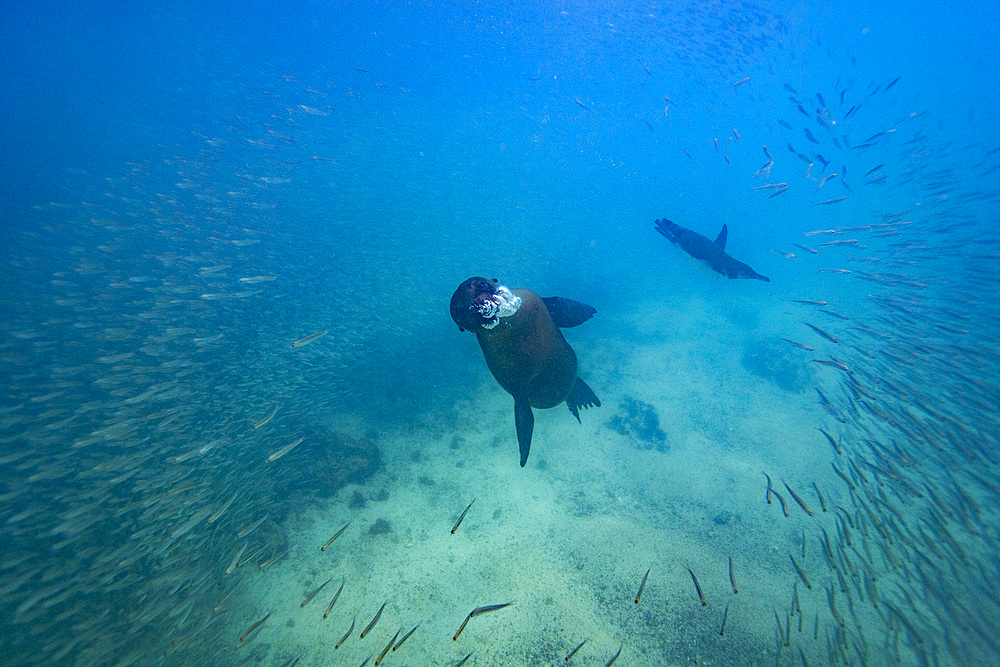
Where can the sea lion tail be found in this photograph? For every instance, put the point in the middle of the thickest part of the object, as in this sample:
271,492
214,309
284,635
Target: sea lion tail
581,396
668,229
524,420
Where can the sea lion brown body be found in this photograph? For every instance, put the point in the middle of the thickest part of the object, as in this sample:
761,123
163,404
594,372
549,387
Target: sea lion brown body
524,348
528,355
712,253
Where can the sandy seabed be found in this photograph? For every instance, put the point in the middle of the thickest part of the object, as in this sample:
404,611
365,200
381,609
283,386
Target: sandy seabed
568,538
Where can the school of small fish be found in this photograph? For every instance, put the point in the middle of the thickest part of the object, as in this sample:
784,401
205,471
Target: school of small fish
140,453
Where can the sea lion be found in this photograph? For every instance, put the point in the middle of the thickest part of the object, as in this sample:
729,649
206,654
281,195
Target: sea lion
712,253
524,348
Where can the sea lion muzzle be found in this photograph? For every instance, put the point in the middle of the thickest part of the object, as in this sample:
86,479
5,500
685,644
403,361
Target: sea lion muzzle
502,303
481,302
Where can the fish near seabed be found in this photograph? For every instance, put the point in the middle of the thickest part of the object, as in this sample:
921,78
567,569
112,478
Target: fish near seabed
518,332
712,253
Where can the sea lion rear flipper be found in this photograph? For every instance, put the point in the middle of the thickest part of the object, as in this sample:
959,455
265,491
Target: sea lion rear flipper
668,229
581,396
567,312
524,420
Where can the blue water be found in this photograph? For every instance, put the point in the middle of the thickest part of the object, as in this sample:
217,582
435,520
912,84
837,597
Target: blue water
354,162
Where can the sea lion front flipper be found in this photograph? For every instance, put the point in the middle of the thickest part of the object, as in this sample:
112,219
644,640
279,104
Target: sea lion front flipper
524,420
720,240
567,312
581,396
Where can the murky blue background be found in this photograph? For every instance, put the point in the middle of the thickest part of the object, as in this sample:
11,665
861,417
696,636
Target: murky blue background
370,157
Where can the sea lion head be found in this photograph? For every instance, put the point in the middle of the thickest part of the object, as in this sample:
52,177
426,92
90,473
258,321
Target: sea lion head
479,303
741,270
